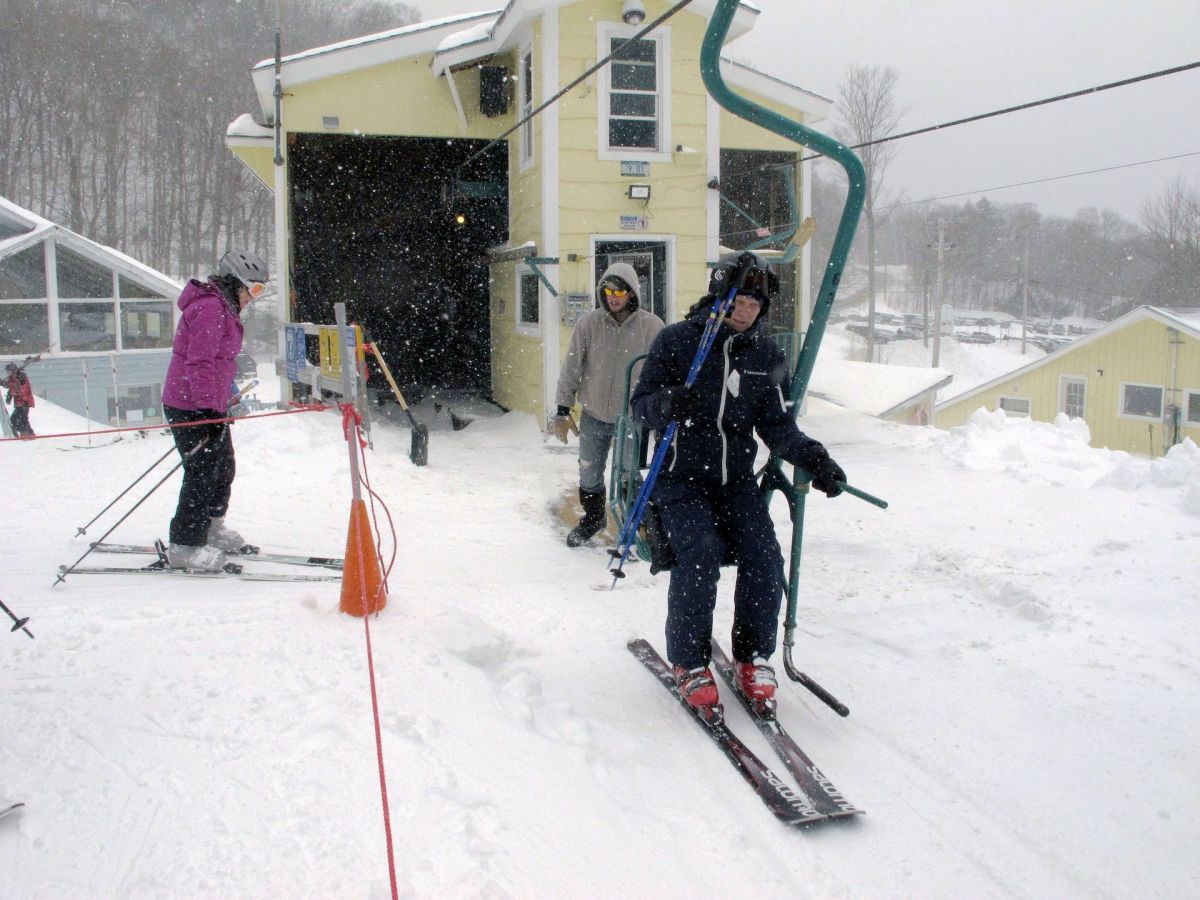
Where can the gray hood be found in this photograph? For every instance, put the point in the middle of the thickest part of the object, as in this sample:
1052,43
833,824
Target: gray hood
627,274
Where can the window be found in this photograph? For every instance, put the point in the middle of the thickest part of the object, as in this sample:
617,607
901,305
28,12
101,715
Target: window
23,275
146,326
1142,401
526,88
137,404
634,96
12,226
528,300
24,328
1191,408
80,277
87,326
1015,406
133,290
1072,398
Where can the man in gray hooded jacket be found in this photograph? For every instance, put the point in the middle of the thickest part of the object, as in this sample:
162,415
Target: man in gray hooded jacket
604,342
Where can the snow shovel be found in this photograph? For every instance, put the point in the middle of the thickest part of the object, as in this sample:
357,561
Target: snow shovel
419,454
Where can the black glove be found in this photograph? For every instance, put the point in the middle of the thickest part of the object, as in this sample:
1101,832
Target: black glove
678,402
825,476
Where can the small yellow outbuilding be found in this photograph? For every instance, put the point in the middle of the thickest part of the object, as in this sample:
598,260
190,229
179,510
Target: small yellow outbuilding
1135,382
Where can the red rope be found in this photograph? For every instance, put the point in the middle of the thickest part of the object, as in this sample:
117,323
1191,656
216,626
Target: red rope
387,819
299,408
352,421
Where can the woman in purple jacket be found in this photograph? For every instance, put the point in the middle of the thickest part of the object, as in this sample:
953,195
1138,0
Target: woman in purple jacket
198,387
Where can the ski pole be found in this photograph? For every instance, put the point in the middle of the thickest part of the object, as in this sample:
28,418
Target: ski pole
18,624
716,316
234,398
83,530
69,569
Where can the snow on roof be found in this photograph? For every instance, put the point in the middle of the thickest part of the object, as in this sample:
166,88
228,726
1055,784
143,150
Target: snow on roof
27,223
43,228
874,389
377,37
471,35
245,127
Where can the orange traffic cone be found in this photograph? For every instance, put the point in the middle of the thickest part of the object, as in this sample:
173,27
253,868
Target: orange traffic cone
362,577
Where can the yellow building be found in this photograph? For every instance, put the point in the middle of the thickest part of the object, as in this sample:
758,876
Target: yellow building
1135,382
433,178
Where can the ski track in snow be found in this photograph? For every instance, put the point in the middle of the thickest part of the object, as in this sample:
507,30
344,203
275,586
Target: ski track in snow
1015,638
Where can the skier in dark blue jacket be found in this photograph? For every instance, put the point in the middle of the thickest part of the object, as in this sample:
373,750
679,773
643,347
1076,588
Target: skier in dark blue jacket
706,493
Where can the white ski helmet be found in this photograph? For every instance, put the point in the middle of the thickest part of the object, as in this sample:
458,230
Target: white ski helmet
245,267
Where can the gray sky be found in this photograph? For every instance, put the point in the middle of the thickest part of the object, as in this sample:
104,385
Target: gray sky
957,58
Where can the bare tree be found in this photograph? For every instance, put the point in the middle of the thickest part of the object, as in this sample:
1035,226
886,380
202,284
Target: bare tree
868,112
1172,220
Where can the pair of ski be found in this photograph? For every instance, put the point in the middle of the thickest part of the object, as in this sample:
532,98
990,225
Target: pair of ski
230,570
815,800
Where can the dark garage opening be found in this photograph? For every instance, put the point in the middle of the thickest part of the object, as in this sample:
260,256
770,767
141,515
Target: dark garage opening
398,230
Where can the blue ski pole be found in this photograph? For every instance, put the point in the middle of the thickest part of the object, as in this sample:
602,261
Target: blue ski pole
716,315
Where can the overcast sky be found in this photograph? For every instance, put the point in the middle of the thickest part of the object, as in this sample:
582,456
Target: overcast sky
958,58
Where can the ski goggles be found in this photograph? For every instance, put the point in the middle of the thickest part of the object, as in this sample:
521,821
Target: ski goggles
255,289
610,291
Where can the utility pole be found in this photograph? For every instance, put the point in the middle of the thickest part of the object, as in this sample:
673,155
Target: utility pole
1025,289
937,307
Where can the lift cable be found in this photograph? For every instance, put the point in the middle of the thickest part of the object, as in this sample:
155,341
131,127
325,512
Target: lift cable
595,68
1001,187
1030,105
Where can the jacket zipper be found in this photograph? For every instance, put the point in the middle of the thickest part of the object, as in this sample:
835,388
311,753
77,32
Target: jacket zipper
721,415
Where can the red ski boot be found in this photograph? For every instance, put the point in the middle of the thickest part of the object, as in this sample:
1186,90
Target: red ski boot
698,688
756,682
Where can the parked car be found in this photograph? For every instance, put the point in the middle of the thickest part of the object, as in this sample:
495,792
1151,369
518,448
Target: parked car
246,367
975,337
904,333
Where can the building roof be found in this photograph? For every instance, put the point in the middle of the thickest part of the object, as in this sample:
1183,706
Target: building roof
33,229
874,389
1186,321
457,40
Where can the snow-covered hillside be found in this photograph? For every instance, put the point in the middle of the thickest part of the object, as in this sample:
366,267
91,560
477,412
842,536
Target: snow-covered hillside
1015,637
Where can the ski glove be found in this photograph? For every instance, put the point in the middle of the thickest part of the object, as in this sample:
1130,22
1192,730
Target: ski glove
678,402
826,476
563,423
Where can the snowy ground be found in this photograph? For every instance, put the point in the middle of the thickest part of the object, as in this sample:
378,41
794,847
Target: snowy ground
1016,638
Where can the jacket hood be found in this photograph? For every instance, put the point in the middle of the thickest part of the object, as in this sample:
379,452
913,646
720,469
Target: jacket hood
195,290
627,274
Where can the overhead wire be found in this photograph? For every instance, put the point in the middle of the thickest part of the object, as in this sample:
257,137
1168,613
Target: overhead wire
1001,187
1174,70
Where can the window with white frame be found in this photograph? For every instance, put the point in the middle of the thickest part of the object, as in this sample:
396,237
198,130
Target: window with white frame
634,119
1015,406
1142,401
526,89
145,316
1072,396
528,301
1191,407
87,307
138,404
24,306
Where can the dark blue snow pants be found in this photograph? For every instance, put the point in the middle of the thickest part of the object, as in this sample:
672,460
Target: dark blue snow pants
703,524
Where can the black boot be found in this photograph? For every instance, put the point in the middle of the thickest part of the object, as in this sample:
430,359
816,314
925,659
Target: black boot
595,517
